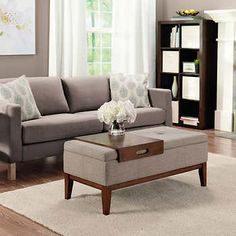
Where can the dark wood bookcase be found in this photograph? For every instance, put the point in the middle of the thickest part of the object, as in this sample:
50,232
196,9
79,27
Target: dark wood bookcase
202,108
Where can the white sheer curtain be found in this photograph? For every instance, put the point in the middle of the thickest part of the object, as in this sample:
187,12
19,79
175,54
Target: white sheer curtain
67,50
134,37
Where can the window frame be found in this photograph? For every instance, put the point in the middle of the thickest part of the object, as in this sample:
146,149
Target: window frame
100,30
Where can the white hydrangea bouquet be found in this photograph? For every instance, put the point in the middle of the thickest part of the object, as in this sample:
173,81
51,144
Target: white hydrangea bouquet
115,113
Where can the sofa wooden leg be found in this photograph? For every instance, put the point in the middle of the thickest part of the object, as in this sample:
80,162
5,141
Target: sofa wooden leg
106,200
11,171
203,174
68,186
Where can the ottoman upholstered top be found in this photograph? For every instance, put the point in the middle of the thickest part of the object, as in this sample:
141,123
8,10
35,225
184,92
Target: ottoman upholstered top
91,150
172,137
100,164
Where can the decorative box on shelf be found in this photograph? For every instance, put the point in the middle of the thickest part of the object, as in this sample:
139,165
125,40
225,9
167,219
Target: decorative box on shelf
175,112
170,62
190,36
190,88
189,67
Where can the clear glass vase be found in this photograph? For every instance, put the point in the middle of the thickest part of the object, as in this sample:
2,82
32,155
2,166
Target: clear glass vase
116,128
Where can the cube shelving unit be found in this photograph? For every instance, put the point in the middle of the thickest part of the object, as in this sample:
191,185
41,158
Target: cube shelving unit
196,94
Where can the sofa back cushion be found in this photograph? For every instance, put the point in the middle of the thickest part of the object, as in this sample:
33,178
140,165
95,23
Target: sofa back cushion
86,93
49,95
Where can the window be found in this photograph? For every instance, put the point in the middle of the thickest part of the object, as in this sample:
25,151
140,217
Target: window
99,28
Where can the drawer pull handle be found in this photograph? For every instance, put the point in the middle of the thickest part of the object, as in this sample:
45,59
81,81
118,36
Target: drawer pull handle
142,152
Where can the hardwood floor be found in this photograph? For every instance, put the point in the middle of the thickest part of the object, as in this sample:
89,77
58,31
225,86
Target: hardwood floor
15,224
28,174
32,173
218,145
50,169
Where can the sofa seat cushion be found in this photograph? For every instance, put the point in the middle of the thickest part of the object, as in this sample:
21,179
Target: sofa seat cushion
148,116
60,126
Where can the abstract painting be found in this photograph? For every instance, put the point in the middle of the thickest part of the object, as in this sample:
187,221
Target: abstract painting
17,27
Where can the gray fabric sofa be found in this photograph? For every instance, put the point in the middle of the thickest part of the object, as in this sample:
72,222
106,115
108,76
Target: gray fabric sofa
68,108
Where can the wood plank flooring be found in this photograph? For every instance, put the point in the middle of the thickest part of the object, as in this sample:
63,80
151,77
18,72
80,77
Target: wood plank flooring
50,169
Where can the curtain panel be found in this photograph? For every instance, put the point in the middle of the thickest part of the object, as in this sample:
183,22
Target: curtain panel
67,49
134,37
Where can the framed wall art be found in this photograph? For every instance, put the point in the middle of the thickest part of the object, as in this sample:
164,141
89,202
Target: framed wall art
17,27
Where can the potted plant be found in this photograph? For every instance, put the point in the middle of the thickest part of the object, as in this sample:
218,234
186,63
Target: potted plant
197,63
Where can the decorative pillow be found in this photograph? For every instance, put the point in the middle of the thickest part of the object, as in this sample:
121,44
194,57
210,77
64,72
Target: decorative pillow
130,87
19,92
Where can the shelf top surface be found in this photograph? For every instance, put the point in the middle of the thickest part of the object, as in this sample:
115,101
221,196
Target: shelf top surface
177,49
184,22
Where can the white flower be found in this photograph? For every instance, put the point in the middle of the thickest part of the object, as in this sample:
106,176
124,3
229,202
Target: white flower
130,111
119,111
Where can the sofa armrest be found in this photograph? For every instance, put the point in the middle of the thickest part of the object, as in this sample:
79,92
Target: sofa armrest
10,132
162,98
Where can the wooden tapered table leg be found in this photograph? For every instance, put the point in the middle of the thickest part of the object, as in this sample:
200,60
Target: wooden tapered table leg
11,171
107,190
106,200
68,186
203,174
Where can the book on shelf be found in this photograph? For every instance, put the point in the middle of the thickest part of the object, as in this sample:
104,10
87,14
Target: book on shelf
188,120
174,37
177,38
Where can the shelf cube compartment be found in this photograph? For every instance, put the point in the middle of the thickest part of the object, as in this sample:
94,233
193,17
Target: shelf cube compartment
189,108
166,34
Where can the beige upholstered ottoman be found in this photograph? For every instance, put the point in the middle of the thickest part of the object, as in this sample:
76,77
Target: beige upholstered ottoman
97,166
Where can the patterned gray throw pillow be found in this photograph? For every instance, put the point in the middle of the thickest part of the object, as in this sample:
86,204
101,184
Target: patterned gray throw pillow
130,87
19,92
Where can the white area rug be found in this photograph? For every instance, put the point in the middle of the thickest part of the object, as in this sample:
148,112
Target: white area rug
172,206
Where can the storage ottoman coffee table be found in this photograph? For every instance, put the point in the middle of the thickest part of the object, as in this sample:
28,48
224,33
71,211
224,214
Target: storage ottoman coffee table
99,166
